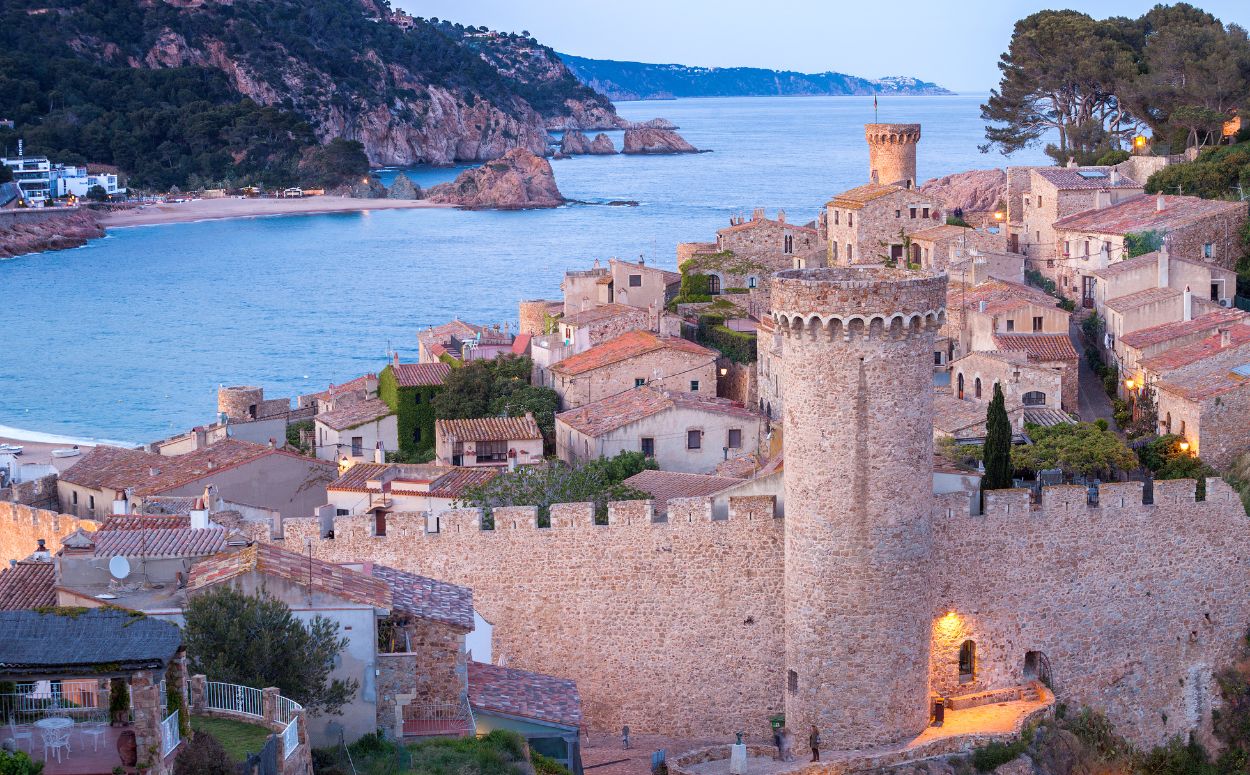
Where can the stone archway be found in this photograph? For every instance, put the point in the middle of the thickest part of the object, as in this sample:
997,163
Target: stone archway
1037,667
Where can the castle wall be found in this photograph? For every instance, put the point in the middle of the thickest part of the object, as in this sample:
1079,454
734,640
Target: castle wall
670,627
22,526
1134,606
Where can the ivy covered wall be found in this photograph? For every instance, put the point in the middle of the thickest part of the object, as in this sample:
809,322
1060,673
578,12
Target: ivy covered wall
414,414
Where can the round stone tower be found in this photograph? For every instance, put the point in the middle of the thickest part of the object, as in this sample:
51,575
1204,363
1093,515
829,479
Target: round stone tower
239,402
533,313
892,153
858,383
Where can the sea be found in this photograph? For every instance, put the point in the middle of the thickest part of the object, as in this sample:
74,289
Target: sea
128,337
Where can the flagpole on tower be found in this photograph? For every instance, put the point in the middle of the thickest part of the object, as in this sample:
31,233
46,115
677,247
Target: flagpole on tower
874,109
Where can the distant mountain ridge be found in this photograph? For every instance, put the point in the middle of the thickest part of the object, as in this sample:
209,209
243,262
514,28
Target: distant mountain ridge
623,81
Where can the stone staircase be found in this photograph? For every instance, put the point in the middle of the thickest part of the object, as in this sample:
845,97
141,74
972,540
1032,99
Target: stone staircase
1030,692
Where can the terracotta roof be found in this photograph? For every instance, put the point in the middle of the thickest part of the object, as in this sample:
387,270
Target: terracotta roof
608,414
997,295
533,696
443,481
355,415
1128,265
113,467
663,486
163,505
160,542
1039,347
1083,178
488,429
269,560
225,454
945,231
952,415
521,345
670,277
420,374
457,328
351,386
601,312
146,521
1142,298
426,597
856,198
1146,337
27,585
1199,385
1141,213
628,345
757,222
118,469
453,484
1175,358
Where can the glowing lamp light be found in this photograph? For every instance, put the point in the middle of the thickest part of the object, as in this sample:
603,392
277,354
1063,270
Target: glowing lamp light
1139,142
344,464
1130,384
724,371
950,624
1184,446
998,215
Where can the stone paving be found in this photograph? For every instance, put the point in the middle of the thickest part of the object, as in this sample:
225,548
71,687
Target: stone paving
602,752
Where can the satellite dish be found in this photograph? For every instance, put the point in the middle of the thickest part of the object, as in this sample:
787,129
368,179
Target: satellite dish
119,568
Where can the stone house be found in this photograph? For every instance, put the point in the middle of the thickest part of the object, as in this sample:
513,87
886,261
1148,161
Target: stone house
632,360
461,341
1229,346
943,245
1143,309
488,441
978,267
975,314
409,390
1208,404
356,432
586,288
1024,384
867,224
1180,290
579,331
1053,352
1037,197
682,431
380,489
1133,349
641,285
768,366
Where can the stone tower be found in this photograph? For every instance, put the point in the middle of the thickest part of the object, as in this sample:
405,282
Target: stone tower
858,380
892,153
239,402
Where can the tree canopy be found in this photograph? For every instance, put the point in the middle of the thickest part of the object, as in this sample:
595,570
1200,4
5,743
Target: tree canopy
497,387
997,455
1080,449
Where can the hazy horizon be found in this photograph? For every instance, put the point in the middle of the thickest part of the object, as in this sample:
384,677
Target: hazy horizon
790,34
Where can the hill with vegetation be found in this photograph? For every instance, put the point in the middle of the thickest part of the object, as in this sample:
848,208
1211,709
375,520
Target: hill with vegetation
642,81
220,92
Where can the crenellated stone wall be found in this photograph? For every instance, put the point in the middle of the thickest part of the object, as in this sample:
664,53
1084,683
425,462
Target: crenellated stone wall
22,526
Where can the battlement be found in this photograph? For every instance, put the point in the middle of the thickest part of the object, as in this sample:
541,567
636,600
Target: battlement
877,134
847,302
1112,497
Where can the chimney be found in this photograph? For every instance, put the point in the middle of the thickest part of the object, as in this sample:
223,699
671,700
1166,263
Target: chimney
1226,337
199,515
981,306
120,506
1102,199
379,454
1189,304
1164,261
42,554
154,472
1115,176
757,214
1160,203
395,358
1072,163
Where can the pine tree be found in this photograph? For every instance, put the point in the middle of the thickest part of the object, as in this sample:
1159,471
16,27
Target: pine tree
997,454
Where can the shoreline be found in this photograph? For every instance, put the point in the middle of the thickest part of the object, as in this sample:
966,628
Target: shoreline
230,207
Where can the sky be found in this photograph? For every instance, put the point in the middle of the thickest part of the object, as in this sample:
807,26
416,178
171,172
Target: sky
955,44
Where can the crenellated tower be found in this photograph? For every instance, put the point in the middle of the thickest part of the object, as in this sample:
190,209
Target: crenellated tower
858,348
892,153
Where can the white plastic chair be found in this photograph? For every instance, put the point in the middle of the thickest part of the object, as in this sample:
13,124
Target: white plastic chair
56,739
94,730
19,736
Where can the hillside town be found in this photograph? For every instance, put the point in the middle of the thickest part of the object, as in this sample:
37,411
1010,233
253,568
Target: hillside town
569,525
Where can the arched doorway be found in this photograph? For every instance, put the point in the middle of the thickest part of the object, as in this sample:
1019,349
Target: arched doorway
1036,667
713,284
959,382
967,661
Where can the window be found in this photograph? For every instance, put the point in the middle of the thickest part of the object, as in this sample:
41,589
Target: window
694,439
898,213
850,252
91,498
912,213
379,524
1182,434
1039,200
754,281
788,243
735,438
74,497
833,250
1086,248
648,447
1011,325
1215,291
640,381
835,217
960,385
792,681
635,281
358,446
1208,250
924,212
694,386
967,661
1037,323
1034,398
713,284
937,357
850,219
1167,426
341,512
492,451
1067,248
976,387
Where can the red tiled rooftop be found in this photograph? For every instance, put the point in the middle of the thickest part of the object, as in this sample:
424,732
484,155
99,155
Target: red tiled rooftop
1142,298
27,585
1159,334
663,486
1141,213
521,693
420,374
113,467
1200,385
160,542
355,415
755,223
149,474
626,346
358,384
425,597
856,198
602,312
1039,347
1239,336
608,414
444,481
488,429
269,560
1072,179
146,521
999,294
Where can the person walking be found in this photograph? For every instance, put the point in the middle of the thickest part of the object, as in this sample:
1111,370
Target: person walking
813,740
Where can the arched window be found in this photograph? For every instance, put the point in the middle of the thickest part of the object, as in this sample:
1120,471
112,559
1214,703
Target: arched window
1034,398
967,661
976,387
713,284
959,382
1168,425
1182,428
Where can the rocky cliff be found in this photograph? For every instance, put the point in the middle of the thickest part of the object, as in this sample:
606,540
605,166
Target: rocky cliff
517,181
602,145
655,141
976,191
574,143
32,231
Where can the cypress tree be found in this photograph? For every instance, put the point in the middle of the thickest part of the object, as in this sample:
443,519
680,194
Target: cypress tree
997,453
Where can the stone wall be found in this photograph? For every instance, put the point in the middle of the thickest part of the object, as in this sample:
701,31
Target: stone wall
39,493
670,627
875,226
22,526
654,366
892,153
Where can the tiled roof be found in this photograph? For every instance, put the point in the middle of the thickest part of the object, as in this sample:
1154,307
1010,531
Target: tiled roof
1039,347
943,231
1128,265
1239,335
998,295
520,693
454,483
420,374
1142,298
269,560
1199,385
628,345
1141,213
663,486
80,643
489,429
161,505
160,542
113,467
425,597
952,415
182,469
146,521
27,585
601,312
608,414
358,384
444,481
856,198
456,328
670,277
521,345
1071,179
1146,337
118,469
757,222
355,415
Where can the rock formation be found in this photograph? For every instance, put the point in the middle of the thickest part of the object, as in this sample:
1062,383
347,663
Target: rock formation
372,189
574,143
584,115
656,141
520,180
602,145
976,191
32,231
403,188
655,123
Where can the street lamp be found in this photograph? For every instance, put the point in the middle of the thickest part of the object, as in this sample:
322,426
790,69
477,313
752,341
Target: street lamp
1184,445
1139,143
1129,383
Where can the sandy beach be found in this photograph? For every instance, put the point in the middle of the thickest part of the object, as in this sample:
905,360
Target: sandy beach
231,207
41,452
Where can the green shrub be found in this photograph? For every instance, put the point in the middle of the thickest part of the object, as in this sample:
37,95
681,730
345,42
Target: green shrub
955,220
202,755
18,763
1067,304
545,765
1112,158
994,754
737,346
1111,379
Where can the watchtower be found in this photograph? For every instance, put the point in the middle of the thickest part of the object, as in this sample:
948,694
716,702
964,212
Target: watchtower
892,153
858,348
239,402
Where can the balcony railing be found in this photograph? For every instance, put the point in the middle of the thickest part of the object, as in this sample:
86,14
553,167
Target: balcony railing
171,734
290,739
243,700
441,719
32,702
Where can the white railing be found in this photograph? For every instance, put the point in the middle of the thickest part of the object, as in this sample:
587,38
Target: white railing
243,700
171,735
290,739
286,710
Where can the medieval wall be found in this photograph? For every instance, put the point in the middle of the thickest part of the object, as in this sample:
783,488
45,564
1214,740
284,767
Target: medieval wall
22,526
671,627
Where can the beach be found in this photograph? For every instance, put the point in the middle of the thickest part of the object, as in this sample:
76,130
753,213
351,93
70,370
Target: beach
233,207
41,452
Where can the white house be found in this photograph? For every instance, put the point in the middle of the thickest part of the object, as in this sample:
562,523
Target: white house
356,430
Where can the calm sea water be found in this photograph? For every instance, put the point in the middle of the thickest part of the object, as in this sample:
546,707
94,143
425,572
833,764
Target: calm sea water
128,337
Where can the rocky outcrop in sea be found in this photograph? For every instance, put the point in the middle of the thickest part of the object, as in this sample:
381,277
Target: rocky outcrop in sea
574,143
403,188
602,145
656,141
32,231
655,123
519,180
